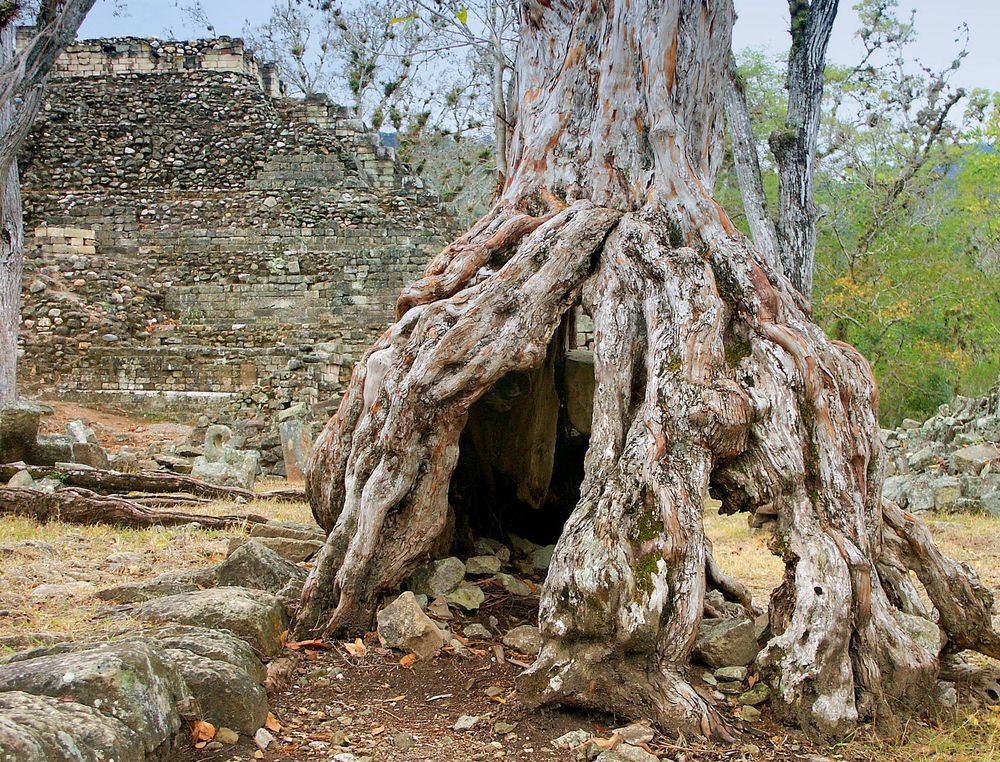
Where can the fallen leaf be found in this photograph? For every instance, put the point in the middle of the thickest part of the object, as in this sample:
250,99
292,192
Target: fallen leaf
378,730
357,648
394,699
408,661
295,645
202,731
272,724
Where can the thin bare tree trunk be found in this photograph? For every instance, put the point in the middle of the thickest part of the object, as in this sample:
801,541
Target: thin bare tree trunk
11,241
794,147
709,371
22,77
748,174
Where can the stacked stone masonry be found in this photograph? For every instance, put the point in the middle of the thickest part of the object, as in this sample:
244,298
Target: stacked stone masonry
200,245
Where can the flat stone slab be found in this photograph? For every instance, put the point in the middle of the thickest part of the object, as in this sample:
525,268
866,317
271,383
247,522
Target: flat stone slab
254,615
226,695
45,729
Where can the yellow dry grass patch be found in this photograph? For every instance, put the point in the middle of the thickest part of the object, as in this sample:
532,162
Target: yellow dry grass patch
33,554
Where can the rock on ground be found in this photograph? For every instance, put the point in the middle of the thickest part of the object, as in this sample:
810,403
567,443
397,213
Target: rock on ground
727,642
403,624
527,639
45,729
437,578
130,681
254,615
226,694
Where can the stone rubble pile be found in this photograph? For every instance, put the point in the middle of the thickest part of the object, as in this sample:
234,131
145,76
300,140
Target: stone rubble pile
21,442
197,654
949,463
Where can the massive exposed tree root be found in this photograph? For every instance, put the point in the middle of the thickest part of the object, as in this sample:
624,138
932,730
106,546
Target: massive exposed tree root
710,374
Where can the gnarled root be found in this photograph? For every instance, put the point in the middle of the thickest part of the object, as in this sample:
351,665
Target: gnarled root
380,472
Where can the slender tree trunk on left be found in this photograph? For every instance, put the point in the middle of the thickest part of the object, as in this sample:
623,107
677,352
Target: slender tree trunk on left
22,80
11,242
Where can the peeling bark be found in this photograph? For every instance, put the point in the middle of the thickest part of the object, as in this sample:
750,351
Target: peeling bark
709,371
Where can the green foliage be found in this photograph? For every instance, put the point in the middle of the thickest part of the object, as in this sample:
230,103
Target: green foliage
908,253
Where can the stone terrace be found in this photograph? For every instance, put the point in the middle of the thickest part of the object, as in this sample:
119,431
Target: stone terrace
197,243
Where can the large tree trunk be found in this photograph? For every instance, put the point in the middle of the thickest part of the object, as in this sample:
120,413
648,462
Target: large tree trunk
709,372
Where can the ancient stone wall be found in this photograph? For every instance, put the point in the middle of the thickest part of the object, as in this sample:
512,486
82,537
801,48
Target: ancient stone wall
200,246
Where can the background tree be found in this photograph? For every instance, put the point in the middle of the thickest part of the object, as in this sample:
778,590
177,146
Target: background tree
710,373
22,80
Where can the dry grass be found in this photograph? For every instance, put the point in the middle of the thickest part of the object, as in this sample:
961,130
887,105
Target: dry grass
33,554
79,553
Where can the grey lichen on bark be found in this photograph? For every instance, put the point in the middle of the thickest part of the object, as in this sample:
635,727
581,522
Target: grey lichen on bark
709,372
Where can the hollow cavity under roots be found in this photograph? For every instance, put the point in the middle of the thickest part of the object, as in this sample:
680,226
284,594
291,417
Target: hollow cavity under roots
708,371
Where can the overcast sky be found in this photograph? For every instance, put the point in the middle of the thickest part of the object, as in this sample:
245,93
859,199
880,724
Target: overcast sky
762,23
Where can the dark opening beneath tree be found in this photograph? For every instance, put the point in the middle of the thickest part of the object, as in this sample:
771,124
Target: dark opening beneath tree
709,371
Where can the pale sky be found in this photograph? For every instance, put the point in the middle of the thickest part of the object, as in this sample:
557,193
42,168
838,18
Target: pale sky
762,23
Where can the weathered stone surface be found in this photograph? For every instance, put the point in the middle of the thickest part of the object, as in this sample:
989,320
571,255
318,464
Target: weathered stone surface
21,479
727,642
403,624
236,471
255,565
289,548
466,597
296,443
972,460
482,565
924,632
218,645
62,591
527,639
171,583
45,729
128,680
626,753
18,429
437,578
578,378
487,546
254,615
541,558
291,529
512,584
226,694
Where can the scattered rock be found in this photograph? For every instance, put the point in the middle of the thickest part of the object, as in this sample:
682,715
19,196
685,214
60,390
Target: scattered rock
739,674
750,713
19,429
487,546
476,631
466,722
255,565
402,624
572,739
502,728
512,584
45,729
65,590
226,695
254,615
727,642
482,565
541,558
972,460
626,753
636,733
263,738
437,578
217,645
756,695
130,681
527,639
21,479
227,736
224,465
466,597
289,548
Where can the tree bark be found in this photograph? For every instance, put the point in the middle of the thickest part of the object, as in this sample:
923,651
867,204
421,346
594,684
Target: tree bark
709,373
106,482
74,505
22,76
11,241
